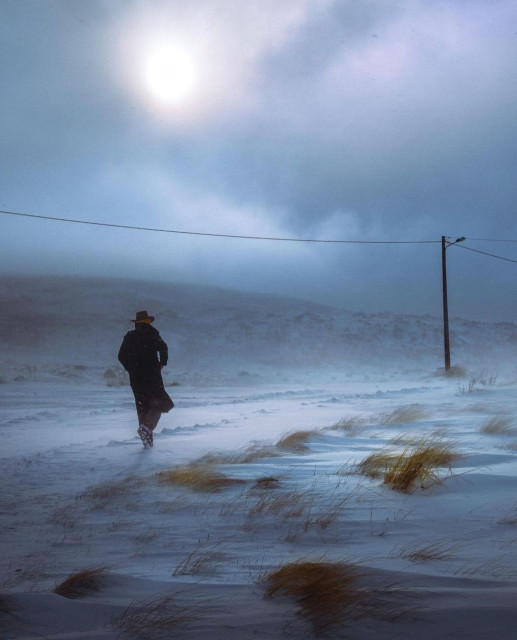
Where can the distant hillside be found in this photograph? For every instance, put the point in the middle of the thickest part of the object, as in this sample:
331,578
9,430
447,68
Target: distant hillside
80,322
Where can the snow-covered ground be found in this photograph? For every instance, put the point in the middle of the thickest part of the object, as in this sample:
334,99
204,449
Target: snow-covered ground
80,492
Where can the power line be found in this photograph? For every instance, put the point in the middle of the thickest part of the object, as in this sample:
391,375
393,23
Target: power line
214,235
491,255
492,239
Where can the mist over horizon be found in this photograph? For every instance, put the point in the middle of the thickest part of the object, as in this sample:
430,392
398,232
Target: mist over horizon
419,297
71,328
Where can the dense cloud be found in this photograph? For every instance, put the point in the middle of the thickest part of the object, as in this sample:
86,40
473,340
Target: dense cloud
327,119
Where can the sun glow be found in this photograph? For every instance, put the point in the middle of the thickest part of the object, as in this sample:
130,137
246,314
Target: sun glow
170,74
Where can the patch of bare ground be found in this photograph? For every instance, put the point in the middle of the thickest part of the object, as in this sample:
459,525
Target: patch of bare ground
415,467
82,583
499,425
328,593
157,618
296,442
198,476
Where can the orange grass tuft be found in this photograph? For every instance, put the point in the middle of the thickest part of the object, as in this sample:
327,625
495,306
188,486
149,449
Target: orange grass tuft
416,466
326,592
498,425
376,464
296,441
200,477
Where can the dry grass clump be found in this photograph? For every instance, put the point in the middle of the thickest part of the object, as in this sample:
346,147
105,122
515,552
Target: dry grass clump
349,424
296,441
416,466
327,511
155,619
200,560
197,476
244,456
376,464
419,466
436,550
82,583
499,425
482,379
403,415
326,592
105,494
287,504
266,483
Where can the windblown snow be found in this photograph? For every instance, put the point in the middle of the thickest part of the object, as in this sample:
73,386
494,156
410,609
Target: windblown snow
268,459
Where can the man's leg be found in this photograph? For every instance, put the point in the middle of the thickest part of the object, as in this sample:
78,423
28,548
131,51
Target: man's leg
142,410
149,413
154,414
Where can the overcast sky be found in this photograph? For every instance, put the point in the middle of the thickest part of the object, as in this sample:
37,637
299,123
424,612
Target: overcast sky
329,119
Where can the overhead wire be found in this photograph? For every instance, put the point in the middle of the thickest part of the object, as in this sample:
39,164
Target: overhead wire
213,235
492,239
491,255
247,237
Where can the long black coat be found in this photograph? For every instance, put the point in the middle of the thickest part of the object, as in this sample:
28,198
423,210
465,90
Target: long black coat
138,354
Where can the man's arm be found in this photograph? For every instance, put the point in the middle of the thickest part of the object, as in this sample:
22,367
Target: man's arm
123,354
163,350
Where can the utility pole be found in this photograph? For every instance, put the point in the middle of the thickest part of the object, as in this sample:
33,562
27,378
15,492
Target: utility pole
446,343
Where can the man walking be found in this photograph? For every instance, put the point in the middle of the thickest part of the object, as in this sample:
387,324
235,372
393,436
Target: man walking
143,354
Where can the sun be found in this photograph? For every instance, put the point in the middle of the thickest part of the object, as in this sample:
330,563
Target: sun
169,74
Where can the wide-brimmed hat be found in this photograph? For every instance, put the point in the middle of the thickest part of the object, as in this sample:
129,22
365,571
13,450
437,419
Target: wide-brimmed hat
142,316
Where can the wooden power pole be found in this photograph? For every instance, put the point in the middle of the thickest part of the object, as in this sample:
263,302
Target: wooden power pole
446,343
